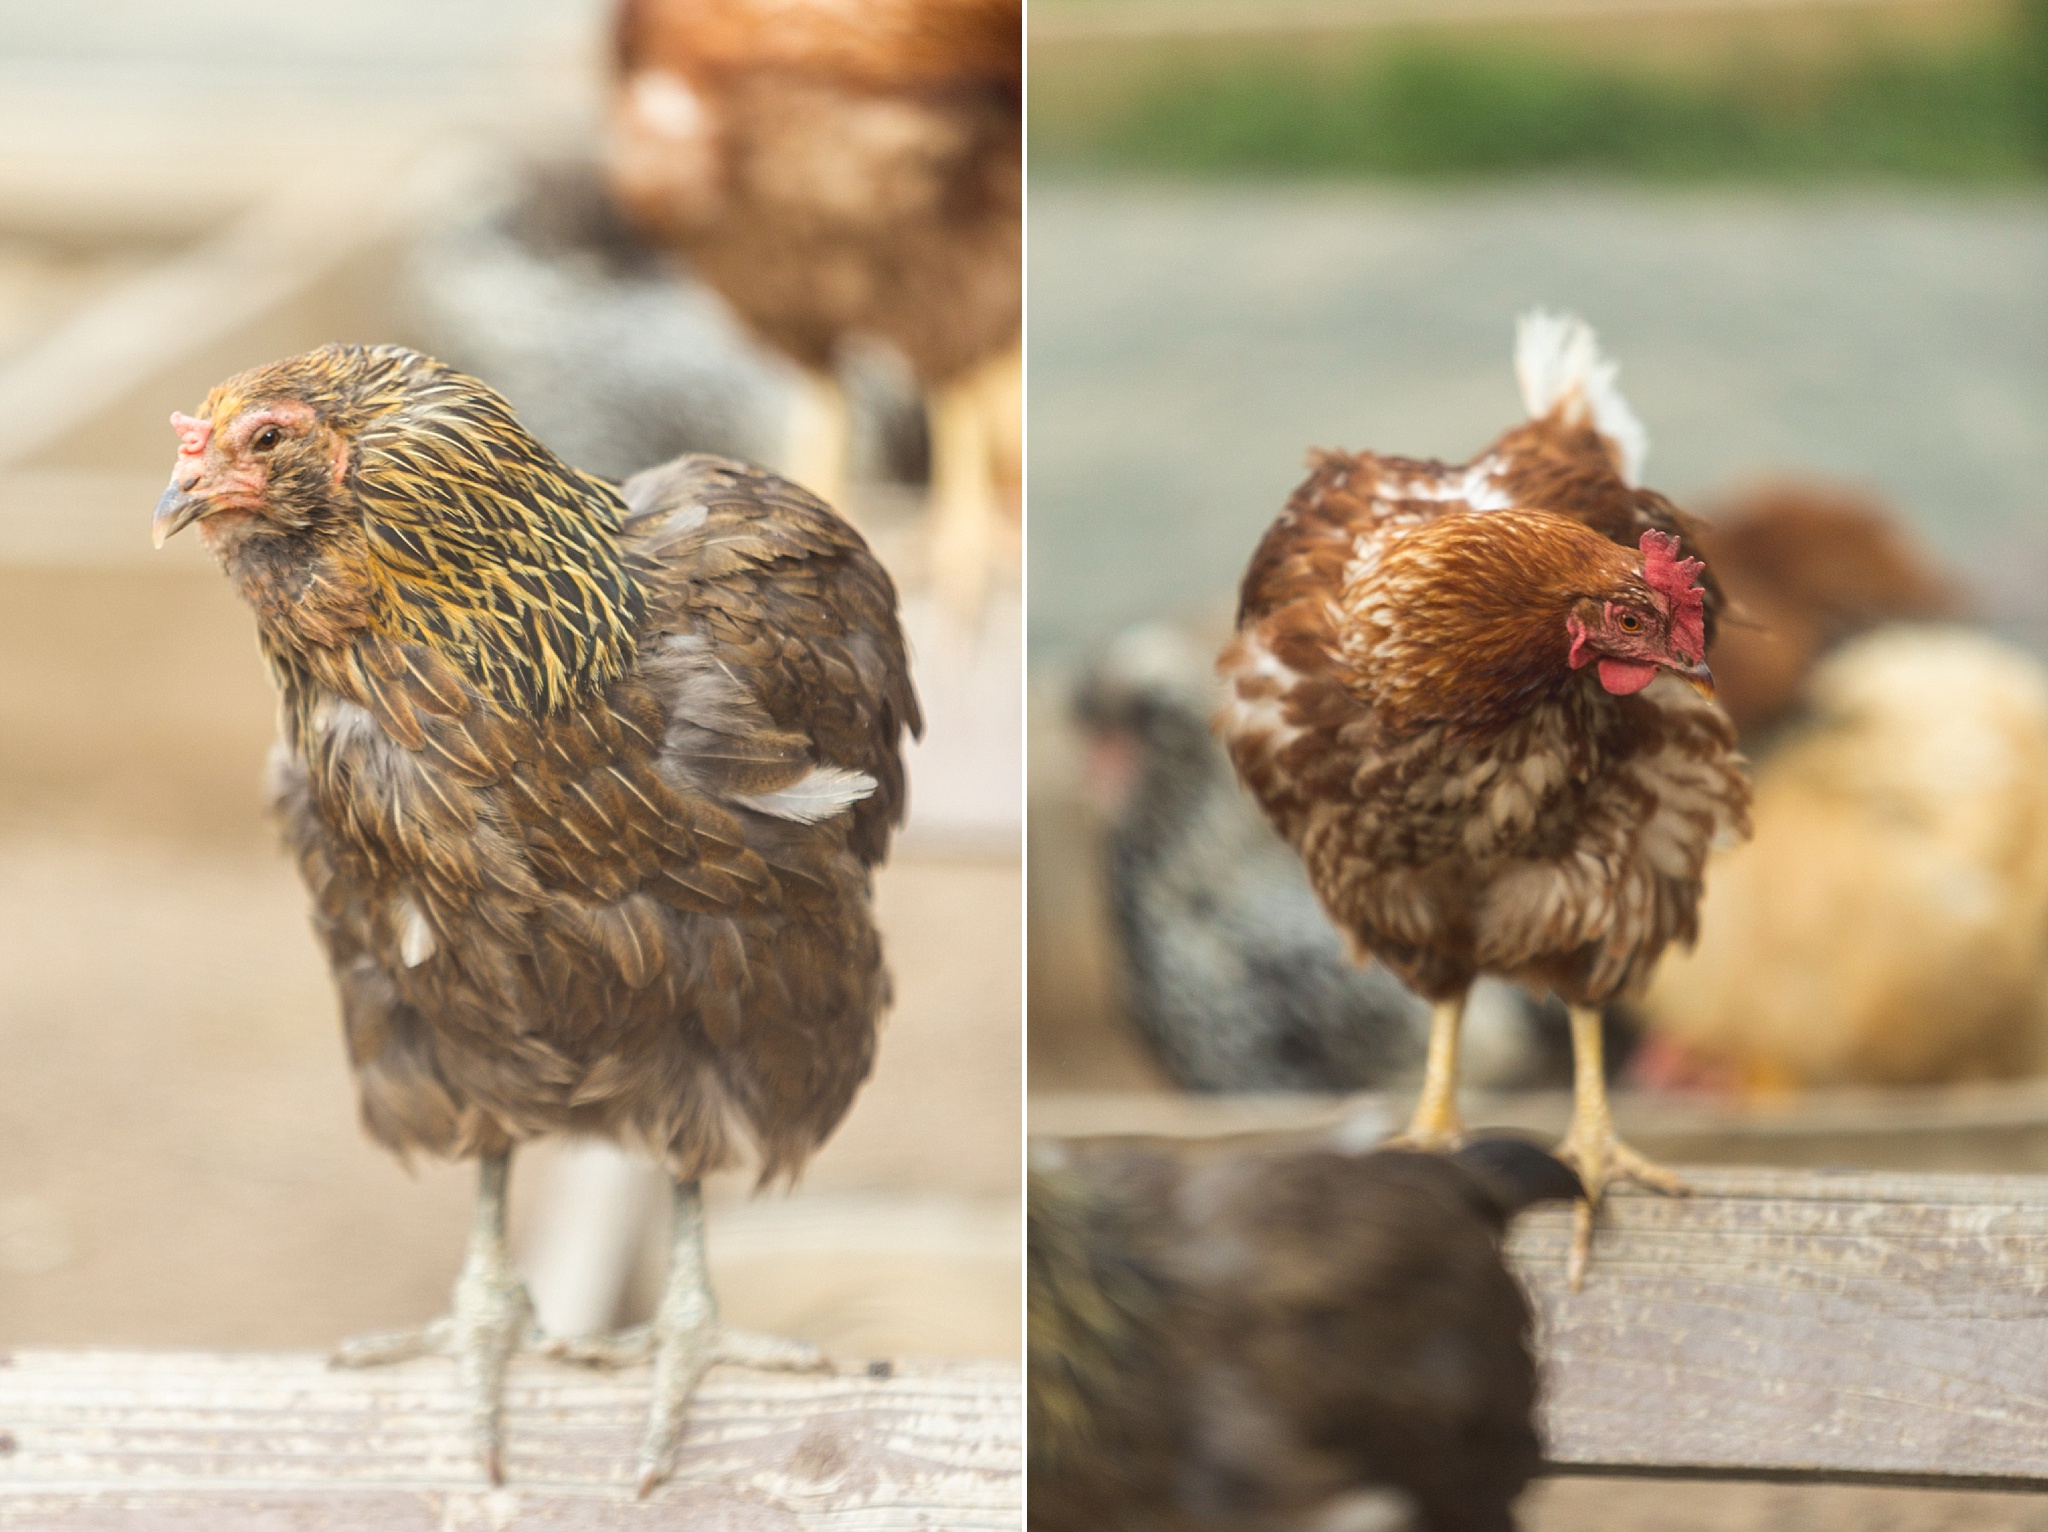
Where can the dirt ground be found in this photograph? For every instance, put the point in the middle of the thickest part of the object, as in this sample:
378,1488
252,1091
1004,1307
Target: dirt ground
179,1159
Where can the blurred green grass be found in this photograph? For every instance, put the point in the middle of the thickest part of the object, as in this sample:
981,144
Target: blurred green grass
1440,107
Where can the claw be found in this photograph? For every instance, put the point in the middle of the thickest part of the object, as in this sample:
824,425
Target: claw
492,1319
1602,1159
685,1341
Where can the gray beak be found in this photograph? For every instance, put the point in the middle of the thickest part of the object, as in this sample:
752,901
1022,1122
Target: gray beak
1700,679
175,511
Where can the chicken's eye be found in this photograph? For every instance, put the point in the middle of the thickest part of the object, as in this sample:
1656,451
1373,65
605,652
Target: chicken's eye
266,438
1630,623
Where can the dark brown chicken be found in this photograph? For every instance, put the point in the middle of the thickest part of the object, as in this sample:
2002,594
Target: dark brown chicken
586,785
847,170
1280,1340
1474,698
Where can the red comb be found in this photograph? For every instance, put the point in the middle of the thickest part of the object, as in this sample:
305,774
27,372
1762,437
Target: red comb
1672,578
192,434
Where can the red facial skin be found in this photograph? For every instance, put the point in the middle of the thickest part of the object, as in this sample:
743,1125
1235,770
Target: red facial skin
222,470
1632,640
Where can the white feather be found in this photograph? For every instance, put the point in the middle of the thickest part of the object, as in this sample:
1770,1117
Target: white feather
1558,361
823,792
416,938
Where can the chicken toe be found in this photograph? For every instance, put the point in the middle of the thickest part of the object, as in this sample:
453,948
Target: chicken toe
1591,1147
491,1321
684,1341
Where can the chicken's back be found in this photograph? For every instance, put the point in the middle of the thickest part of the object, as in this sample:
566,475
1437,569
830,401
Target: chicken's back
834,170
880,45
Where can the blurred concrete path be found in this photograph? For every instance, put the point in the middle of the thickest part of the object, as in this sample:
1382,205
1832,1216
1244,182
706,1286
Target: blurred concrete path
1188,344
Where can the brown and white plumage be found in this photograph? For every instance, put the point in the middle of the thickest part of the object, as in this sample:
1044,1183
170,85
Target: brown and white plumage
1462,693
587,784
840,171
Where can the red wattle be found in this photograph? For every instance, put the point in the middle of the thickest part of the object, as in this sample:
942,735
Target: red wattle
1626,677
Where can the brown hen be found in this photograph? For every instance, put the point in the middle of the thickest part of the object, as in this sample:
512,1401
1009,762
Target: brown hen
848,170
1474,698
586,784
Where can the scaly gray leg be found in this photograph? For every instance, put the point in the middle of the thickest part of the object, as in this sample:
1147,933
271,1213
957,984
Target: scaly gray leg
492,1319
683,1341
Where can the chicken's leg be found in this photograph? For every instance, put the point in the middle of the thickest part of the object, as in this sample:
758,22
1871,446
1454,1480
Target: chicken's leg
963,498
492,1319
1436,1124
820,437
684,1340
975,434
1590,1146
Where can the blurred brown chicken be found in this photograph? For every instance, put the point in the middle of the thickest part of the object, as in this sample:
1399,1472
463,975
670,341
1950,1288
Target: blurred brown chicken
1280,1340
586,785
1888,925
849,170
1807,566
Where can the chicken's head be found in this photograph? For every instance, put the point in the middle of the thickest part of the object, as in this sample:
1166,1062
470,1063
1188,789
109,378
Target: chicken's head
1660,624
262,455
359,488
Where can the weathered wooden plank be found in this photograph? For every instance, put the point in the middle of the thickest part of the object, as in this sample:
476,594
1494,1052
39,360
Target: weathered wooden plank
1835,1326
1987,1126
229,1443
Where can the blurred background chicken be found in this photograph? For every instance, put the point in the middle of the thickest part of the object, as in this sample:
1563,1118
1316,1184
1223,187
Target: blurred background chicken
1233,976
613,354
850,171
587,786
1260,1339
1807,565
1888,923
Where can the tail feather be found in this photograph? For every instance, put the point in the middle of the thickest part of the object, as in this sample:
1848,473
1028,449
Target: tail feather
1558,361
1519,1173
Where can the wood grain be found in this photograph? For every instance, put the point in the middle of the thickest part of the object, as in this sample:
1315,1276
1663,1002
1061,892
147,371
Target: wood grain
232,1443
1848,1325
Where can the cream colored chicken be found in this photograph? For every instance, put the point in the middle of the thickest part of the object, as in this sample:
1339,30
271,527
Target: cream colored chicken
1889,922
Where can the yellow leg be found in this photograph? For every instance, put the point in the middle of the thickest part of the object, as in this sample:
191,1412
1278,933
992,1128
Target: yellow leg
976,444
1435,1124
963,500
820,440
1590,1146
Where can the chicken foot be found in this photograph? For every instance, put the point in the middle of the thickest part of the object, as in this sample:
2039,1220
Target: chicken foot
492,1319
1591,1147
684,1340
1436,1124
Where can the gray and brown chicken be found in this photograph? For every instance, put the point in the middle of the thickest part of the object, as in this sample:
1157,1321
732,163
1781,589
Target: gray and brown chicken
1475,699
848,170
587,785
1280,1339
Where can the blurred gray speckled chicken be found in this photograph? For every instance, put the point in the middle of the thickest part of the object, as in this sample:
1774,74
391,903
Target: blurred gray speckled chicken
609,357
1235,978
